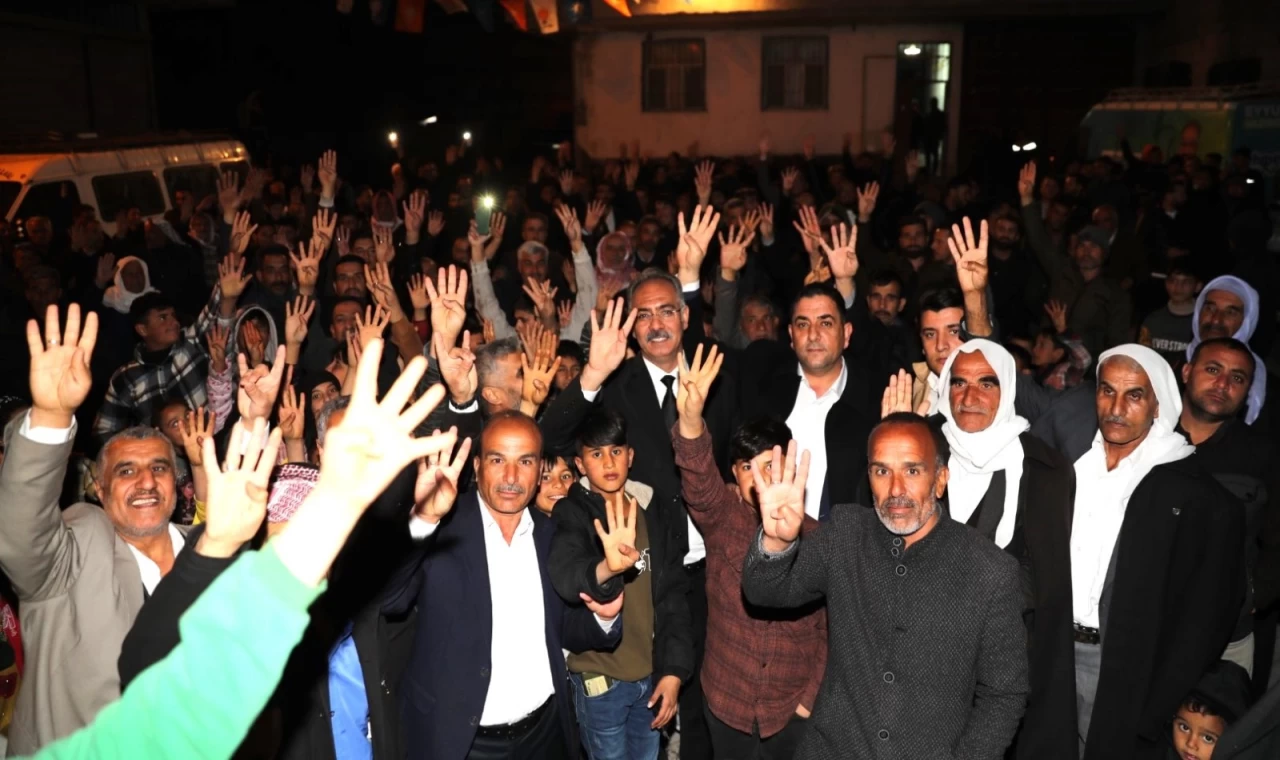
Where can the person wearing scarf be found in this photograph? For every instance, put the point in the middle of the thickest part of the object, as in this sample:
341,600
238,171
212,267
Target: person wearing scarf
124,292
1215,318
615,263
1016,490
1157,573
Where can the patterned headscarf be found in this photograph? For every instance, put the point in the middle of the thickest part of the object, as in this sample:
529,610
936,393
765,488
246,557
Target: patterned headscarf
289,487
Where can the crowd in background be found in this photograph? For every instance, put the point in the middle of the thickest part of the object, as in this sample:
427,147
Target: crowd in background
629,346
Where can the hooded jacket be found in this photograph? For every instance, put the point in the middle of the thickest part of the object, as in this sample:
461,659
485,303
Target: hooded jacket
234,346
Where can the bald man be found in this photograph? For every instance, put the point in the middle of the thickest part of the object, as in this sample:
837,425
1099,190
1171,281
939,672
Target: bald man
481,682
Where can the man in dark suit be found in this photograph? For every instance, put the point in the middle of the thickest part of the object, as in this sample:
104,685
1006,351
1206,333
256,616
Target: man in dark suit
479,685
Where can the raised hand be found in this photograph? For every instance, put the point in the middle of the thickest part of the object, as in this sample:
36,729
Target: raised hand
435,223
418,296
867,196
789,177
104,271
619,540
702,182
384,247
241,233
841,255
608,345
196,426
306,264
290,414
897,395
970,256
564,313
478,242
323,225
531,337
766,221
572,228
228,193
259,387
237,491
415,210
810,232
497,228
231,276
1027,183
307,177
254,343
328,174
373,324
781,497
632,173
539,372
733,251
693,387
296,317
448,302
595,212
342,240
374,441
457,368
1057,312
59,377
694,239
544,299
436,489
566,182
384,294
216,340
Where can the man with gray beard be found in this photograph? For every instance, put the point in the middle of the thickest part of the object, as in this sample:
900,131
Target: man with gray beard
926,648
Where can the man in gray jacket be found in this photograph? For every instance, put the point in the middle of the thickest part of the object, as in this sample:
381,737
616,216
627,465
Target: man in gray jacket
81,574
927,654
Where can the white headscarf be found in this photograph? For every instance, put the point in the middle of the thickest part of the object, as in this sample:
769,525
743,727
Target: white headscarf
119,297
1102,495
1249,297
975,457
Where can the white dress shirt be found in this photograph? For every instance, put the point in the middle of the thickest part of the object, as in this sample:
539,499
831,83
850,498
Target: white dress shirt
149,570
808,423
697,546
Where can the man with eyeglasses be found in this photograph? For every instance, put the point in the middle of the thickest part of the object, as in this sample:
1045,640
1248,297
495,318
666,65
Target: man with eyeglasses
642,389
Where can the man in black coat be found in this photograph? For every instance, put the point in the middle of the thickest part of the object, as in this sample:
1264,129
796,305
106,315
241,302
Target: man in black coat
1151,532
925,613
481,680
1017,491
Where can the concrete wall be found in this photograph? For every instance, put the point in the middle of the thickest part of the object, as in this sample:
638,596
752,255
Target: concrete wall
607,91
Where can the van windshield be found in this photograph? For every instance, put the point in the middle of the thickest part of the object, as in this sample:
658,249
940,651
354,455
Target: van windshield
8,194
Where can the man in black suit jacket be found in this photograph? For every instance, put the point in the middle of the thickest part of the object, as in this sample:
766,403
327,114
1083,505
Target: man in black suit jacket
478,684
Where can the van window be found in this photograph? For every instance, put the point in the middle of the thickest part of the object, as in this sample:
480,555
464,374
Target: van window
200,181
52,199
121,192
239,168
8,194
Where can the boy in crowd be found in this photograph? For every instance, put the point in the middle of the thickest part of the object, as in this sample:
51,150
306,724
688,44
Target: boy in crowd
1220,699
626,696
1168,329
558,475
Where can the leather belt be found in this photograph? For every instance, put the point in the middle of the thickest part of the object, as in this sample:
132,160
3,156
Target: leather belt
518,729
1086,635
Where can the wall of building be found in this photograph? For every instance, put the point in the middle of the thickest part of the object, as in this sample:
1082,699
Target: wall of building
1204,34
861,72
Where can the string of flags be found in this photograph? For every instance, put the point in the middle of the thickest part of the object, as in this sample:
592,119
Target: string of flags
548,16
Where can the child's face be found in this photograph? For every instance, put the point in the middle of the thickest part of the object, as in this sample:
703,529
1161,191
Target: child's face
554,486
171,423
606,467
1180,287
1196,734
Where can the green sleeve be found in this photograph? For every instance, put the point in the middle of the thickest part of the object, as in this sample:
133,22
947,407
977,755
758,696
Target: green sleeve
200,701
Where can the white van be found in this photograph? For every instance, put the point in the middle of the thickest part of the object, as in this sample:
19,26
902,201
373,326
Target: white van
113,175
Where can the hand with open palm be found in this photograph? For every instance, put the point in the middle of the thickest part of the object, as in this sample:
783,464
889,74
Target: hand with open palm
781,499
59,376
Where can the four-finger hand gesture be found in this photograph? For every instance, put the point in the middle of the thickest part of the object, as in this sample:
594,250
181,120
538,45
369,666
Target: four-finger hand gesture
373,324
694,239
241,233
810,232
733,250
867,195
457,367
841,254
780,494
328,174
572,228
897,394
970,256
437,486
619,541
196,426
415,210
448,302
237,491
231,276
297,315
1057,312
608,345
693,387
1027,183
59,376
702,181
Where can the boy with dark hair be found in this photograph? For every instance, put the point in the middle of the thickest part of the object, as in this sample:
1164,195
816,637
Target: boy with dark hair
1218,700
1168,329
761,671
558,476
623,697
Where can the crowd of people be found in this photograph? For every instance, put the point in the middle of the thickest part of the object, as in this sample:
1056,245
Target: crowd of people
730,458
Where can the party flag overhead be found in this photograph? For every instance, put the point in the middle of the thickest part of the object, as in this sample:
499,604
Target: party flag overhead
516,9
620,6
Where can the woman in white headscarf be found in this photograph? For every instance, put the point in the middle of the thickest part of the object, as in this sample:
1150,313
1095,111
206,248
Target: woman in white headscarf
976,456
1249,298
133,280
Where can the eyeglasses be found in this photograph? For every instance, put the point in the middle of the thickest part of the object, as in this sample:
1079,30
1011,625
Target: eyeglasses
664,313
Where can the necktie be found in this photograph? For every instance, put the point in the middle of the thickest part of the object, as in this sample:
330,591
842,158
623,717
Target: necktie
669,401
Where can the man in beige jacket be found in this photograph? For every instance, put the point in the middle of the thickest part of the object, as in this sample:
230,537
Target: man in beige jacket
81,574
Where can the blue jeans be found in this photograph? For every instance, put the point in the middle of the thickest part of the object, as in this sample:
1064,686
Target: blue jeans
615,725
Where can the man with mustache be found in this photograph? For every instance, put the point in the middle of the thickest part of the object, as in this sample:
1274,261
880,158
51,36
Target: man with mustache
81,574
1151,530
1217,382
1016,491
925,613
1229,308
482,683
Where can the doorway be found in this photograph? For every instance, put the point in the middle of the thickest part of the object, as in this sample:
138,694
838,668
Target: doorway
923,71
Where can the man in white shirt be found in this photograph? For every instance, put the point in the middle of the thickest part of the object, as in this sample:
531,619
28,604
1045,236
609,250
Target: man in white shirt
482,681
81,574
1156,569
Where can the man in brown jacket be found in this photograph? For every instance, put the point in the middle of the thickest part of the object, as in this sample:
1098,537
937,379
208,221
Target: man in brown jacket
80,574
